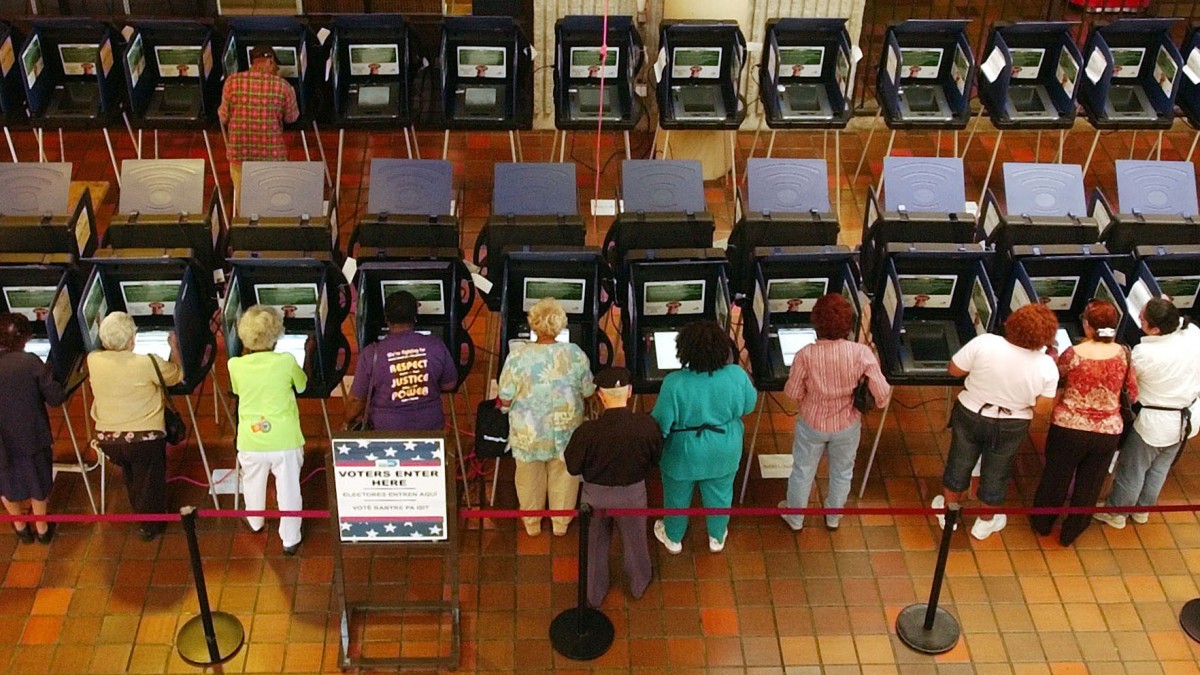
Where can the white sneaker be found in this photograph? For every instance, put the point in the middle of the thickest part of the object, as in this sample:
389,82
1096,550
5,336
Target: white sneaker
1141,517
939,502
788,519
660,533
715,545
982,529
1113,520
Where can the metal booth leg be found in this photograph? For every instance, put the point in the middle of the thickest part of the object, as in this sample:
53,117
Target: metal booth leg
136,139
212,165
337,185
458,449
762,404
886,153
408,143
627,153
446,144
837,171
495,483
1037,148
321,150
12,149
874,448
562,149
111,155
304,142
991,165
867,145
325,416
416,146
212,489
83,471
1062,142
1133,144
1087,163
971,133
771,145
1191,150
512,145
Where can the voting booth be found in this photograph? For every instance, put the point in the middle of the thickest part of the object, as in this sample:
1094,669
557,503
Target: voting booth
1029,76
36,217
1173,271
533,204
699,70
787,204
12,88
924,200
442,286
925,75
1156,205
487,74
1188,94
1045,205
314,299
663,206
1065,280
410,203
1131,71
282,207
47,295
371,67
805,79
777,320
668,289
72,79
163,206
162,290
172,78
590,87
294,45
575,276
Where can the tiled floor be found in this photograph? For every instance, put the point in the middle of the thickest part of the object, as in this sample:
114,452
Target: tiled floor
100,600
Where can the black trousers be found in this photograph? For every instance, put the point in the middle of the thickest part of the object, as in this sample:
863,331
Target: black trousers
1082,456
144,465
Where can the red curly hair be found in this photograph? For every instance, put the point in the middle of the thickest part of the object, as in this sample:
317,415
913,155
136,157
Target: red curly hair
1031,327
833,317
1101,314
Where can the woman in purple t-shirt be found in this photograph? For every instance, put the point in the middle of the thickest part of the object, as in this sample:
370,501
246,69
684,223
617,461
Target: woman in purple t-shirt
403,375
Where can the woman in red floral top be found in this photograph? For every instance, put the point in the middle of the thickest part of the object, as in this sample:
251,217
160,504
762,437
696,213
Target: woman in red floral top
1086,423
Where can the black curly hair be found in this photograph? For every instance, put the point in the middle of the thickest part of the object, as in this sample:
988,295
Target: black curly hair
704,347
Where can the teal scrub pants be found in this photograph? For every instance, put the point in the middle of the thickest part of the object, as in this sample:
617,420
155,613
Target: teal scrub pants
715,493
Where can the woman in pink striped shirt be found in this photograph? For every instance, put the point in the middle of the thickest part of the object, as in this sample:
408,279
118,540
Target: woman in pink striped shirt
822,381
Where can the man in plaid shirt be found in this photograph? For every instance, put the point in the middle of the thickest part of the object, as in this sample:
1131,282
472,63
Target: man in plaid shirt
255,104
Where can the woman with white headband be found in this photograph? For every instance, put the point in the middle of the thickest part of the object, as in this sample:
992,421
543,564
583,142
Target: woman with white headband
1086,424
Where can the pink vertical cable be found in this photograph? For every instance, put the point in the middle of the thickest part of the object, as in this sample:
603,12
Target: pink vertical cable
600,118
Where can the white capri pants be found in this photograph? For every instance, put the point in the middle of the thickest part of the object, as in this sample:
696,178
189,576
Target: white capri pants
285,465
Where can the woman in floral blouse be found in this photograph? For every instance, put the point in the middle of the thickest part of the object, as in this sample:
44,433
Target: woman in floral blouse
544,383
1086,423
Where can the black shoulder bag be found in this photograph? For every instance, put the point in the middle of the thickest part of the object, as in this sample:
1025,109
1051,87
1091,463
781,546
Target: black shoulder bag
864,400
173,423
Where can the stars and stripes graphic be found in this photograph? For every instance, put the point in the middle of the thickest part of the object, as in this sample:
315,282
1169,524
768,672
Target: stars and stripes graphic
384,529
387,453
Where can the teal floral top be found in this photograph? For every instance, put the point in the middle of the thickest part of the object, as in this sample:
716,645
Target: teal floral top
547,385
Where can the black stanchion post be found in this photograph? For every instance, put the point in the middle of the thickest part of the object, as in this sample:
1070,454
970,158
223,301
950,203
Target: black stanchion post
581,632
210,637
925,627
1189,618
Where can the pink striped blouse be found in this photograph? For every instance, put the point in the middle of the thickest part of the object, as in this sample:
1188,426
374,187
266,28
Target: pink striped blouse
822,381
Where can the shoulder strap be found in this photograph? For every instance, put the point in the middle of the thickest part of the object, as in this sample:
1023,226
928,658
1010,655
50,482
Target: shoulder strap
162,384
371,383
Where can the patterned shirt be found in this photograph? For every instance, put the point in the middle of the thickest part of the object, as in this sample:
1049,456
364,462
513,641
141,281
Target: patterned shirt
546,384
1091,400
255,105
822,381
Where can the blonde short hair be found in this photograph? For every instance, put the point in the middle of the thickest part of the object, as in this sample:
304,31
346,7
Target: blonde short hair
547,318
117,331
260,328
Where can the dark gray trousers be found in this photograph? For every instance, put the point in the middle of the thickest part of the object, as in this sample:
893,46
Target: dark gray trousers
633,539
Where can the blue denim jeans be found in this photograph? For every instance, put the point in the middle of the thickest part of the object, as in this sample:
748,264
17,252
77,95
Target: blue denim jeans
1141,471
807,447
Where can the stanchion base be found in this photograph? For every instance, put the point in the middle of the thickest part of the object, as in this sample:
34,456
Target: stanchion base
194,648
581,633
910,626
1189,618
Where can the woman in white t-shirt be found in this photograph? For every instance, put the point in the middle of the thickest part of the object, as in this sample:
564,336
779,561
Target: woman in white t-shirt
1005,378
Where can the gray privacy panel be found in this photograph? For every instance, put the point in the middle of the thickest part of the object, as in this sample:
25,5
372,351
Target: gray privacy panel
662,185
35,189
534,189
787,185
411,187
929,184
171,186
282,189
1165,188
1044,189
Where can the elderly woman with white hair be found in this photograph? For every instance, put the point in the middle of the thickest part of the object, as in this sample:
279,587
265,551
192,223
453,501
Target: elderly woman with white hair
128,413
269,439
544,383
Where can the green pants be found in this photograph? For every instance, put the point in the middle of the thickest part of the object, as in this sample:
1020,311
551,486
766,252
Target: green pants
715,493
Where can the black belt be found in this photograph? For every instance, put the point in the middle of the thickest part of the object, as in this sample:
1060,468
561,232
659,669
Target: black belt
700,429
1185,418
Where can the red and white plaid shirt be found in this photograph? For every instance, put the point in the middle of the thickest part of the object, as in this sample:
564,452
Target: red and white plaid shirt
822,381
255,105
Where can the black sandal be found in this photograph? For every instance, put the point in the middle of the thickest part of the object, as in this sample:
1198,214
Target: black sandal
26,534
45,537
